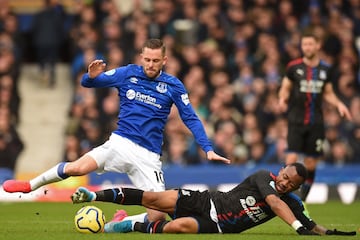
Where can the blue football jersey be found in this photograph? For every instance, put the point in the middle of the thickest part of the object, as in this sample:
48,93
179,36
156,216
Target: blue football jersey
145,104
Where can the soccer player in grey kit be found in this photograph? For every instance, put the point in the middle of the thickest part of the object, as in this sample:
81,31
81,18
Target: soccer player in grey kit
146,96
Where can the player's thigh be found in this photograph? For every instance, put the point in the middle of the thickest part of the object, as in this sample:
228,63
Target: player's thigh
206,225
191,225
82,166
155,215
142,166
199,206
191,203
145,171
103,155
315,141
295,138
118,154
146,174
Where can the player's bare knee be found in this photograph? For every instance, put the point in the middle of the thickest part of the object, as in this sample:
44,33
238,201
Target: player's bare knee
174,227
154,215
75,169
82,166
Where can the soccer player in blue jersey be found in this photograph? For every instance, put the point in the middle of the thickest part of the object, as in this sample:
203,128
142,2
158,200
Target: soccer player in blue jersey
146,94
306,85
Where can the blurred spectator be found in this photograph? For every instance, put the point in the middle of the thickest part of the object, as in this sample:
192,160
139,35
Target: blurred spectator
226,137
340,153
9,97
162,18
83,59
354,141
84,31
11,29
8,64
11,146
72,148
48,36
177,150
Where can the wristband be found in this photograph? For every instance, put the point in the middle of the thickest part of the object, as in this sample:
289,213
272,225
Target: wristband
296,225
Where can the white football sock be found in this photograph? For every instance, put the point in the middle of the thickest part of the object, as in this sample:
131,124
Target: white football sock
137,218
54,174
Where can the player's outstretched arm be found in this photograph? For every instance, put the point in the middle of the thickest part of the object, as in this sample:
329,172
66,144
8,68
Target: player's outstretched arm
281,209
212,156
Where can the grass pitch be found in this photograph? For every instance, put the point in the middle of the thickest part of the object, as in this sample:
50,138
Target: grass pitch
54,221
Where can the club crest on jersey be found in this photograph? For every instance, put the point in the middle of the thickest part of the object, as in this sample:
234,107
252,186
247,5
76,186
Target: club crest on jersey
110,72
300,72
161,87
322,74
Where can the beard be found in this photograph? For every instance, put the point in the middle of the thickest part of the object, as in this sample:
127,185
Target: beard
310,55
152,73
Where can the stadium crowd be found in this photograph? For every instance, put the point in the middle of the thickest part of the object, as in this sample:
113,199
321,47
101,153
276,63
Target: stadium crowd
230,55
11,144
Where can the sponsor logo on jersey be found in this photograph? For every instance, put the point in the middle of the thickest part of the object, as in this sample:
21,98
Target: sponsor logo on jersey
185,98
161,87
311,86
110,72
138,96
250,201
130,94
253,211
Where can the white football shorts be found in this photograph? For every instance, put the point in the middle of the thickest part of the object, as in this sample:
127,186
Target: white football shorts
119,154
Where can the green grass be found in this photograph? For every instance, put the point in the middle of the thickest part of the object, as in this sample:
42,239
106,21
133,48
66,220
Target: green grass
54,221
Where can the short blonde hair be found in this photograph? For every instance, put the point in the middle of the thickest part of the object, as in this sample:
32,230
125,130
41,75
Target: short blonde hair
155,43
